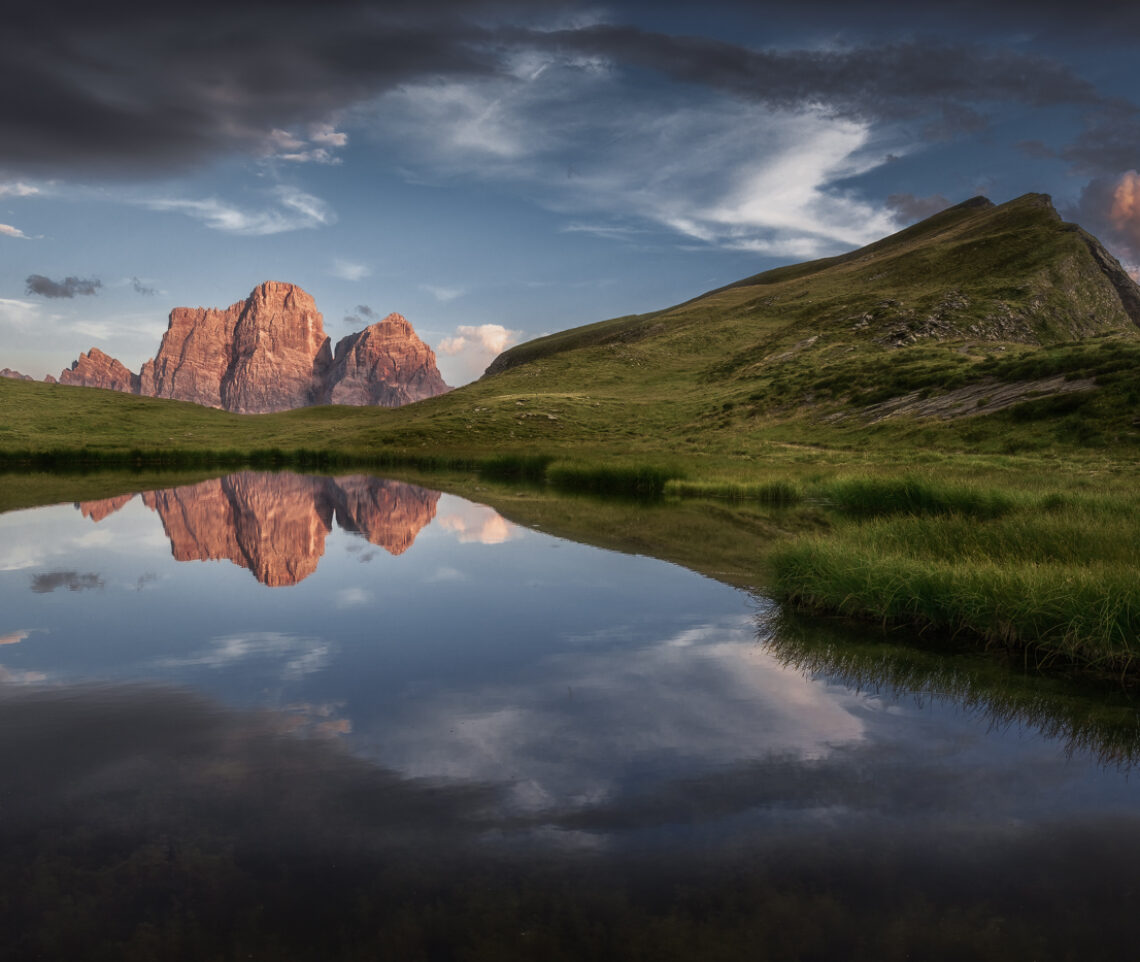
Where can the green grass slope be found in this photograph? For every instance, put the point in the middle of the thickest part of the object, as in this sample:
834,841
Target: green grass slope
987,329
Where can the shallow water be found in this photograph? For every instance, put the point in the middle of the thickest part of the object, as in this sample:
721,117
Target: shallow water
297,717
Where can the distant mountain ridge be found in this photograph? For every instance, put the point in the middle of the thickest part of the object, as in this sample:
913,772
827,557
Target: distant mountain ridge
270,352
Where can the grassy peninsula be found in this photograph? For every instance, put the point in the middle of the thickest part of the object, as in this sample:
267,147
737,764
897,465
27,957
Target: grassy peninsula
937,431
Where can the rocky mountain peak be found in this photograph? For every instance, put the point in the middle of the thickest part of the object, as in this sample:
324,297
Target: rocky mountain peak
96,369
385,364
270,352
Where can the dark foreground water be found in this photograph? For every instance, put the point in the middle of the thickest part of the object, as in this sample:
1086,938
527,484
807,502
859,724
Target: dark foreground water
284,717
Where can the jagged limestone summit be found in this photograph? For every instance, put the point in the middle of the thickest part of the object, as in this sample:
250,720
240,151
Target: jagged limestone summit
270,353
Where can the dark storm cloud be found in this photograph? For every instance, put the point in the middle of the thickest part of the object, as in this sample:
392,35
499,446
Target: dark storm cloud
909,209
1095,20
1108,145
888,81
362,316
47,582
122,84
128,87
68,287
1109,207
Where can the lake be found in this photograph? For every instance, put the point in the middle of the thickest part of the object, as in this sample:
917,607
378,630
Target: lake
278,716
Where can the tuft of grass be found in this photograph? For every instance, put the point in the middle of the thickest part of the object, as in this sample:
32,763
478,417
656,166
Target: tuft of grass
1089,617
1053,574
874,496
515,467
763,492
639,480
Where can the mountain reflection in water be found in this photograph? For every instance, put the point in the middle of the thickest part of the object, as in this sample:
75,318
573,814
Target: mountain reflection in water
275,524
489,743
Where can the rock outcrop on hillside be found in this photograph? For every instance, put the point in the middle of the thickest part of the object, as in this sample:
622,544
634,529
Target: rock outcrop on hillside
276,525
385,364
270,353
96,369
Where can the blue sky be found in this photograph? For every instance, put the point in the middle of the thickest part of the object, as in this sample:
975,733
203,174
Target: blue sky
497,171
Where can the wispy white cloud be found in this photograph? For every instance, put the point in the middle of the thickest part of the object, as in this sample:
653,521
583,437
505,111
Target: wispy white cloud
16,676
444,574
295,655
290,209
142,326
18,189
352,597
603,230
443,294
709,167
709,695
9,231
327,135
315,146
15,637
22,315
349,270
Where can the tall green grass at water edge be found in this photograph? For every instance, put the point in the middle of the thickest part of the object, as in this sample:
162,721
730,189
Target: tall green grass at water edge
858,496
1056,576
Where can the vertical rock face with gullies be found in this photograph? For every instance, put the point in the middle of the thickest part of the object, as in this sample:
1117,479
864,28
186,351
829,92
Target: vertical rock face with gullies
270,353
385,364
193,357
276,528
96,369
280,352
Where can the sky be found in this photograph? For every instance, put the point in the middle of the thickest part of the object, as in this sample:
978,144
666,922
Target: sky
496,171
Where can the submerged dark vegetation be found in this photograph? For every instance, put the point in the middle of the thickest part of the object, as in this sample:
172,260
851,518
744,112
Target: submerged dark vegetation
938,431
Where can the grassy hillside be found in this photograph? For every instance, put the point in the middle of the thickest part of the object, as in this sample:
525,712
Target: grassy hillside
993,329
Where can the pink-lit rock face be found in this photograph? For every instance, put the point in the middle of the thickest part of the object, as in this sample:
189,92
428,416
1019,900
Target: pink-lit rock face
388,513
96,369
104,507
193,356
270,353
15,375
280,352
386,364
276,525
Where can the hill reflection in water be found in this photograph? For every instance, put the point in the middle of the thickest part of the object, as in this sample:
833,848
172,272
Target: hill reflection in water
275,524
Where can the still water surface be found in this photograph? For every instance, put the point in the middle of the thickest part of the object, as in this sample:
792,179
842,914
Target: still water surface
278,716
